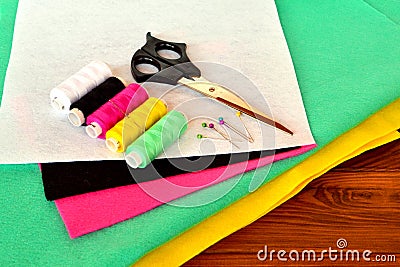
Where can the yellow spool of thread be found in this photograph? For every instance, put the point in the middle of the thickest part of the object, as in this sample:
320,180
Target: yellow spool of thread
135,124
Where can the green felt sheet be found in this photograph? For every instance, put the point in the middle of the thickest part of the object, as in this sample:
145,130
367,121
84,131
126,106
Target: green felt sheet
347,60
7,18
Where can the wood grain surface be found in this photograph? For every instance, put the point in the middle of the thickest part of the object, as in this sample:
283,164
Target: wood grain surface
358,201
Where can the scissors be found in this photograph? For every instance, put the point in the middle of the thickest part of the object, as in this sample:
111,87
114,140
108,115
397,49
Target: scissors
182,71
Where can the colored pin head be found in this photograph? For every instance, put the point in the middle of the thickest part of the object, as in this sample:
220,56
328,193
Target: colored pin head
220,119
204,124
199,136
238,114
211,125
221,122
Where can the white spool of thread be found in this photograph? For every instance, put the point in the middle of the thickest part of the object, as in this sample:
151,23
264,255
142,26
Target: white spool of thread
79,84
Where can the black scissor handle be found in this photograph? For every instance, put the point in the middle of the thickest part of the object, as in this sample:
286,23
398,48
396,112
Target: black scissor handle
165,74
171,70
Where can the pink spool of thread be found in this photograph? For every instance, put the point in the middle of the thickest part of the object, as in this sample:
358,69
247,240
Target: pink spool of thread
103,119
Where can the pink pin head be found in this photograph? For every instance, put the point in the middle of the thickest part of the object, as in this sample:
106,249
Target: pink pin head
221,122
211,125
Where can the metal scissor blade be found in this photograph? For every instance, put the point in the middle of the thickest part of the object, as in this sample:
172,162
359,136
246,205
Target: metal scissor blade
230,99
257,115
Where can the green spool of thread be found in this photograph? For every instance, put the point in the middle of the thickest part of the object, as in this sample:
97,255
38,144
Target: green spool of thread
156,139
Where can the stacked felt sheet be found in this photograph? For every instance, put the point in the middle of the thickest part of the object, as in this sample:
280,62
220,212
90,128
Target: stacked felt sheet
50,139
346,74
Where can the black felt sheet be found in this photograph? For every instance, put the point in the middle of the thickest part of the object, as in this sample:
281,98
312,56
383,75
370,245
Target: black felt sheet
63,179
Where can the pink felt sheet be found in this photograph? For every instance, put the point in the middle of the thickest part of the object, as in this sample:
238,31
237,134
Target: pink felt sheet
86,213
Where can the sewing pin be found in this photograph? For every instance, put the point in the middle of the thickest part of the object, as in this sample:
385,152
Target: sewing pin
200,136
239,115
222,122
211,126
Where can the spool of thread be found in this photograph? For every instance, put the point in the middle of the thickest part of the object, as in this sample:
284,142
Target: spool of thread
158,138
103,119
135,124
93,100
78,85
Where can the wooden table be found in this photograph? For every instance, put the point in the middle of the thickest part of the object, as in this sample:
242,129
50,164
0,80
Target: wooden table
358,201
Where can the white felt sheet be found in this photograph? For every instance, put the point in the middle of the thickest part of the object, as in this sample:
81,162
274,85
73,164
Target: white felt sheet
239,44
